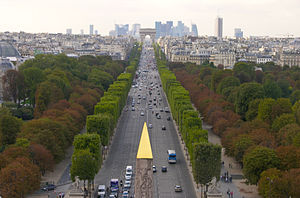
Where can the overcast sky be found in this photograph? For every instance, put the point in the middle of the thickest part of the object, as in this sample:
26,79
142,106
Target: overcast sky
255,17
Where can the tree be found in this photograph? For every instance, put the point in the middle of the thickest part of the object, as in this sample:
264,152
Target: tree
272,90
100,78
244,71
265,108
289,157
265,183
282,121
287,133
253,109
9,128
229,81
284,85
13,85
246,93
258,160
242,144
19,178
206,162
295,96
41,157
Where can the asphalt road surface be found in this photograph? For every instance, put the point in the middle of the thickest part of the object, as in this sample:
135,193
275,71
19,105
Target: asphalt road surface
125,142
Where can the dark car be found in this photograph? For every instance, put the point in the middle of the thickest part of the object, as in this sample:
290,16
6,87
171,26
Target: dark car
163,169
49,187
169,118
163,128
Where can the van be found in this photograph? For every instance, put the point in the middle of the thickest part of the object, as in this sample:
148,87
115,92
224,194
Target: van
101,191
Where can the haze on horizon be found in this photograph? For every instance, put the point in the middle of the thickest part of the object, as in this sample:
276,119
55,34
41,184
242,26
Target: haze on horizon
255,17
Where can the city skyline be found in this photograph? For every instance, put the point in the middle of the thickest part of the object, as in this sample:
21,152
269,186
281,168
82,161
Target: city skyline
255,17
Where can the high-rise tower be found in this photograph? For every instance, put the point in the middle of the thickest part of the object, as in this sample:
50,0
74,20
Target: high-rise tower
219,27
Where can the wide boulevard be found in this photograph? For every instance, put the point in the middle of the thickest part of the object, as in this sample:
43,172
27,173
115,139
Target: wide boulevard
125,142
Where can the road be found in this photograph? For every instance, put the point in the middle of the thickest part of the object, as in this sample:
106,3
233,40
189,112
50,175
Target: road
126,139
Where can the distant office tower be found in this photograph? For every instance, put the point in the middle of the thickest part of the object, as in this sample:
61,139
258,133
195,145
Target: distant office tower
136,30
194,30
121,30
91,29
219,27
158,29
96,32
180,28
169,27
69,31
81,32
238,33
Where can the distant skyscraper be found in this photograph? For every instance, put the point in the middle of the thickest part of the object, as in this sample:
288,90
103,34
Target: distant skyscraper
194,30
91,29
169,27
180,28
219,27
136,30
238,33
158,29
82,32
96,32
69,31
121,30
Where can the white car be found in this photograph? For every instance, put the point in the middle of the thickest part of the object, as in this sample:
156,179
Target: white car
142,113
127,184
128,176
150,126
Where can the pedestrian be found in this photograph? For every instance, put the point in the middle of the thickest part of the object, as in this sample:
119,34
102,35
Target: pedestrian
230,179
231,194
221,178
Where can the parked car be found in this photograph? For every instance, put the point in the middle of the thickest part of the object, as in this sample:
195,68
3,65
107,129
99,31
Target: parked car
101,191
178,188
49,187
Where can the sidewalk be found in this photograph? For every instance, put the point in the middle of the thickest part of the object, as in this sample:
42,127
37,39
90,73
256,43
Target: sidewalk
238,186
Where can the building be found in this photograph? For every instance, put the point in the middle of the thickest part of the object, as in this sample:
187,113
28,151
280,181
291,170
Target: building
69,31
121,30
238,33
158,29
262,59
135,32
227,59
219,27
96,32
82,32
91,29
292,59
194,30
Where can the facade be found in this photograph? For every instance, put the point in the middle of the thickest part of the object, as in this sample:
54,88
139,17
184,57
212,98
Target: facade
121,30
136,30
82,32
290,59
219,27
91,29
158,29
238,33
227,59
262,59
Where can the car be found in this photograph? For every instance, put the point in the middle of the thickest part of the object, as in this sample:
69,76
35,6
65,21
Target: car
163,169
178,188
128,170
144,98
49,187
158,117
125,194
138,102
113,195
158,93
132,109
169,118
163,128
154,168
127,184
132,104
150,126
161,110
128,176
101,191
150,106
160,99
142,113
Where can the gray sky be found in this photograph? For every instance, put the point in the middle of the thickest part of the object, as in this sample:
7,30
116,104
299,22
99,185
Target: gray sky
255,17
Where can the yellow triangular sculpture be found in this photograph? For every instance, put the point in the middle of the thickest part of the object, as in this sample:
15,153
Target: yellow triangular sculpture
144,151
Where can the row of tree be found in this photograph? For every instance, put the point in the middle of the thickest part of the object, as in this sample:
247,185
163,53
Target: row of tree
205,157
61,92
87,156
255,113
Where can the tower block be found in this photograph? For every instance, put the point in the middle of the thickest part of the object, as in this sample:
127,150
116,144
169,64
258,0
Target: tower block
143,187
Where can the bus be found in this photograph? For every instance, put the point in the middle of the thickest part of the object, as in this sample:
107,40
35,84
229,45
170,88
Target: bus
172,156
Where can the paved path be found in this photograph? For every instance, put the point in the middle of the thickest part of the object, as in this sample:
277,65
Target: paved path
238,186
